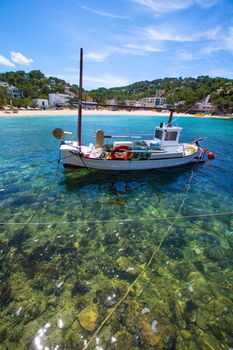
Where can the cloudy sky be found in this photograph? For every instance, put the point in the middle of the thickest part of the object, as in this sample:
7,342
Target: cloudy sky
124,41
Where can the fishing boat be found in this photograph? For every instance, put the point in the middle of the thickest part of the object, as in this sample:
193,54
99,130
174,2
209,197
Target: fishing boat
127,153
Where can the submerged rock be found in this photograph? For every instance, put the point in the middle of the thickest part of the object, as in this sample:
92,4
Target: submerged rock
88,317
79,287
5,294
150,329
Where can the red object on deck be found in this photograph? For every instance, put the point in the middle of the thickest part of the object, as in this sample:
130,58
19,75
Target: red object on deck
211,155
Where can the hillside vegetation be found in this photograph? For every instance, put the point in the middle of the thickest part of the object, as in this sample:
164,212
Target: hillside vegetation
190,90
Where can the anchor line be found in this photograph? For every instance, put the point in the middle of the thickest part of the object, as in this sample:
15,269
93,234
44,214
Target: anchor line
165,235
183,217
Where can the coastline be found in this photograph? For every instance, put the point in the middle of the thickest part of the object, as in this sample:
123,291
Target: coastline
68,112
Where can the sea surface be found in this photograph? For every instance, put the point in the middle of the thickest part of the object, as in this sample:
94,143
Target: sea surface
114,261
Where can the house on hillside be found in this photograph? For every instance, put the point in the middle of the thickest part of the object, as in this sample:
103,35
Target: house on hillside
59,100
70,93
42,103
205,106
155,102
14,92
112,103
133,103
4,84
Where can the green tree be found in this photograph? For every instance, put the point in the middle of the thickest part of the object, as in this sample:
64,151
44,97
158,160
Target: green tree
3,96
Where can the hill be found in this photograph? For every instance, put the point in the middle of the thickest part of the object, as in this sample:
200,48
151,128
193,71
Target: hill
187,91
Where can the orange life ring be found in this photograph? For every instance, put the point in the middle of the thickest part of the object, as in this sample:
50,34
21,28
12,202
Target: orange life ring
122,155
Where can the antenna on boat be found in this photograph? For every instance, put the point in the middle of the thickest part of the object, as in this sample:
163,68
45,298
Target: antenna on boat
169,124
79,138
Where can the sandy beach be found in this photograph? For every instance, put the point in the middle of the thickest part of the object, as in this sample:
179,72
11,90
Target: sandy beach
69,112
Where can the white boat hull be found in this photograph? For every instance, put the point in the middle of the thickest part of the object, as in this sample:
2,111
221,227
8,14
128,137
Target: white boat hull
72,159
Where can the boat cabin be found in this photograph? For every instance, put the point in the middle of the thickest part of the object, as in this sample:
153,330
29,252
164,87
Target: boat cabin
166,135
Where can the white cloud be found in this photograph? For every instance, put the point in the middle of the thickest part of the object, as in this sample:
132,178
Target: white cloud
220,72
19,58
183,55
142,48
222,42
102,13
97,56
5,62
106,80
165,6
207,3
126,49
165,34
228,39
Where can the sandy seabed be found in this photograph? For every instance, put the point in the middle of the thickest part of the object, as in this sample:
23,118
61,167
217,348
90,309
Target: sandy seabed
69,112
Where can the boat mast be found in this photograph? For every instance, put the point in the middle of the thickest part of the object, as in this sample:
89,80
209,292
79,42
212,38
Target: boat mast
169,124
79,138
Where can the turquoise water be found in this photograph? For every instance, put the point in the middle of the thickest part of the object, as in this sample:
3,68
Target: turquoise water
73,243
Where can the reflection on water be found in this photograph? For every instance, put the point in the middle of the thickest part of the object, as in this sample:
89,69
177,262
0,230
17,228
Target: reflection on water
72,245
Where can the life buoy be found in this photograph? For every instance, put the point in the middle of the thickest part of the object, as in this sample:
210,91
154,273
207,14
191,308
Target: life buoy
121,155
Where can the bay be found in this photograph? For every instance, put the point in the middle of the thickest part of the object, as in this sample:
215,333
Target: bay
73,242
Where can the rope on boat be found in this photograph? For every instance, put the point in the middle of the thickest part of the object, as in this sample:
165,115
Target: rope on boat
165,235
183,217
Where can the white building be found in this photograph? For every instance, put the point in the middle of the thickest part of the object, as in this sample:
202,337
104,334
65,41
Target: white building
59,100
4,84
205,106
179,103
42,103
156,101
14,92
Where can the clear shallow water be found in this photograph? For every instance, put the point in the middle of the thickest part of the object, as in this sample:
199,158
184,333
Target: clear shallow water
72,244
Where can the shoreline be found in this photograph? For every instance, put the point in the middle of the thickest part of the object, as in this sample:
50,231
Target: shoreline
68,112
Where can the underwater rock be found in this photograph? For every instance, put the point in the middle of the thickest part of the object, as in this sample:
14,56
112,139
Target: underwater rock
152,330
190,312
109,295
204,317
185,334
74,338
207,238
125,265
16,335
174,253
145,310
219,305
129,250
199,265
64,319
154,326
19,237
110,238
88,317
175,239
79,287
5,294
181,269
124,341
3,333
220,255
25,198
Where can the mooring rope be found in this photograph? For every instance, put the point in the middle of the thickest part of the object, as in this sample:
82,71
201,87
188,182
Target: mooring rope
183,217
165,235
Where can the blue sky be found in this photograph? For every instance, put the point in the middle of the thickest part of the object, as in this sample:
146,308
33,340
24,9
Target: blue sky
124,41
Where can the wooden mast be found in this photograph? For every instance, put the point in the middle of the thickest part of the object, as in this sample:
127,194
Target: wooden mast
79,138
169,124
